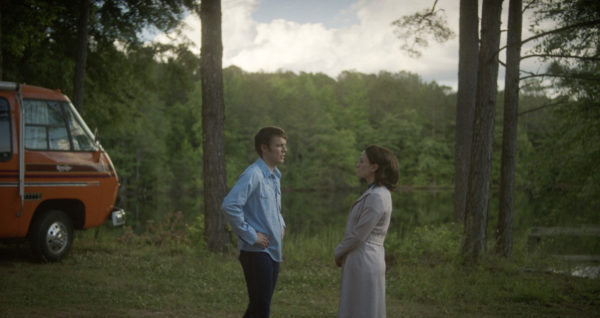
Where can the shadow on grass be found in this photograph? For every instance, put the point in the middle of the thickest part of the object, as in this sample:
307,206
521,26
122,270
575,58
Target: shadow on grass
14,253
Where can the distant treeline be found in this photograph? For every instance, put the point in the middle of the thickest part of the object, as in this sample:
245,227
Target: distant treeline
149,119
145,101
148,115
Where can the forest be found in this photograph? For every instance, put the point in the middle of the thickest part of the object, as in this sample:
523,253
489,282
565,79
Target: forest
145,101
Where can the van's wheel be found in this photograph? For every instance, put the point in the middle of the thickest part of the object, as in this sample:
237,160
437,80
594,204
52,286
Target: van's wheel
51,236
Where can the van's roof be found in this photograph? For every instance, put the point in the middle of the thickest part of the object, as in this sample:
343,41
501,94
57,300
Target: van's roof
30,91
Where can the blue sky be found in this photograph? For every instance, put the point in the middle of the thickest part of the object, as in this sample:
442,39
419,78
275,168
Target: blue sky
332,13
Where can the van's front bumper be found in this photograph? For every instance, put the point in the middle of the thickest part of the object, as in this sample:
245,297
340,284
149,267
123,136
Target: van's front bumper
118,217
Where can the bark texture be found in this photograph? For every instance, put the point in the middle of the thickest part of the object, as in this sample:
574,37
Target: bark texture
465,105
82,40
504,228
478,195
213,118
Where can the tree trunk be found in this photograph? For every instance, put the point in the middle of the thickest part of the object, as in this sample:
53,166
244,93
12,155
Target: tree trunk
82,40
1,77
468,51
509,135
477,201
213,117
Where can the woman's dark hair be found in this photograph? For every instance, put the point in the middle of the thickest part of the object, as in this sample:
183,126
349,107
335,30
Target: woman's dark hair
387,166
263,137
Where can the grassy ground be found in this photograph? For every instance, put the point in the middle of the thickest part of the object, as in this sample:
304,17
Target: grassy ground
125,275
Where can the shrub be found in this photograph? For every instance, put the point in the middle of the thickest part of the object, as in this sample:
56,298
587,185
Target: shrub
429,244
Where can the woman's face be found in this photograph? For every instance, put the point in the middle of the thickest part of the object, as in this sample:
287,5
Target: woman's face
365,169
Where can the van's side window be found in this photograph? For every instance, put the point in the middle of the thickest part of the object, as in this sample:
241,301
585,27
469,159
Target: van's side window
51,125
5,131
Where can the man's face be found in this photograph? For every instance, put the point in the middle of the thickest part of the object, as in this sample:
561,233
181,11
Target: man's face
274,154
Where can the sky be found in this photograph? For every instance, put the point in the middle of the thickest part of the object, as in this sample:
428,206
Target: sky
329,36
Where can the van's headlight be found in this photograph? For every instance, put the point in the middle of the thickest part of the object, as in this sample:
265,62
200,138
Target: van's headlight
118,217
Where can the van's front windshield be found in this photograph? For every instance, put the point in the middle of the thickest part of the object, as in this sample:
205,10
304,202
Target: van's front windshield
56,125
80,132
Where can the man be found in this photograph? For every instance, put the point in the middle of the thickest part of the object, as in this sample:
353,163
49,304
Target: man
253,209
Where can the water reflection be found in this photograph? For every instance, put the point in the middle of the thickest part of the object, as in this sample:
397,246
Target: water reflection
310,212
586,271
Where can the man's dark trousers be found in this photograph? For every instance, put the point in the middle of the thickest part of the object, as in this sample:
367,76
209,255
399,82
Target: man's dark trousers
261,272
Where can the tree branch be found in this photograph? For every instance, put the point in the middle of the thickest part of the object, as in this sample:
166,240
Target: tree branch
414,29
558,103
584,58
565,28
574,76
433,7
527,6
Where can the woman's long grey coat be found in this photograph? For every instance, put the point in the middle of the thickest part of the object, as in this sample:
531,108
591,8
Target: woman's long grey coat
363,273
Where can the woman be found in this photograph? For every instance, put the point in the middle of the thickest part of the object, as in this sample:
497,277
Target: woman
361,254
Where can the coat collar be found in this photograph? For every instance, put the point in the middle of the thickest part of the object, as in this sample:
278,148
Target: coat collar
265,169
365,194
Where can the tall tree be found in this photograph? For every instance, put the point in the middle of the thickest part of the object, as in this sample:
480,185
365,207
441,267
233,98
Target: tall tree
478,195
82,40
504,237
213,117
468,50
1,40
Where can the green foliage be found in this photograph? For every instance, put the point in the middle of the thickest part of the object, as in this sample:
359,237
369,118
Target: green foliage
425,245
567,178
579,22
146,103
329,123
170,231
196,233
38,37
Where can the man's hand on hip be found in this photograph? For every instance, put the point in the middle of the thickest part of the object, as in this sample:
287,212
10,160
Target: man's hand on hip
262,240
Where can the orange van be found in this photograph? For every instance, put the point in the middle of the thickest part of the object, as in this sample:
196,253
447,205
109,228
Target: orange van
54,176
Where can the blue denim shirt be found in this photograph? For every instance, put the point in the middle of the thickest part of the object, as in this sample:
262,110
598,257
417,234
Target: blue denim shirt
254,205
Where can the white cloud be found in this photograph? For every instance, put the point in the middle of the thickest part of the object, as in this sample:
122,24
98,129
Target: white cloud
368,46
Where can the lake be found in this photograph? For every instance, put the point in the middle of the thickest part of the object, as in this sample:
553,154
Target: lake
309,212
